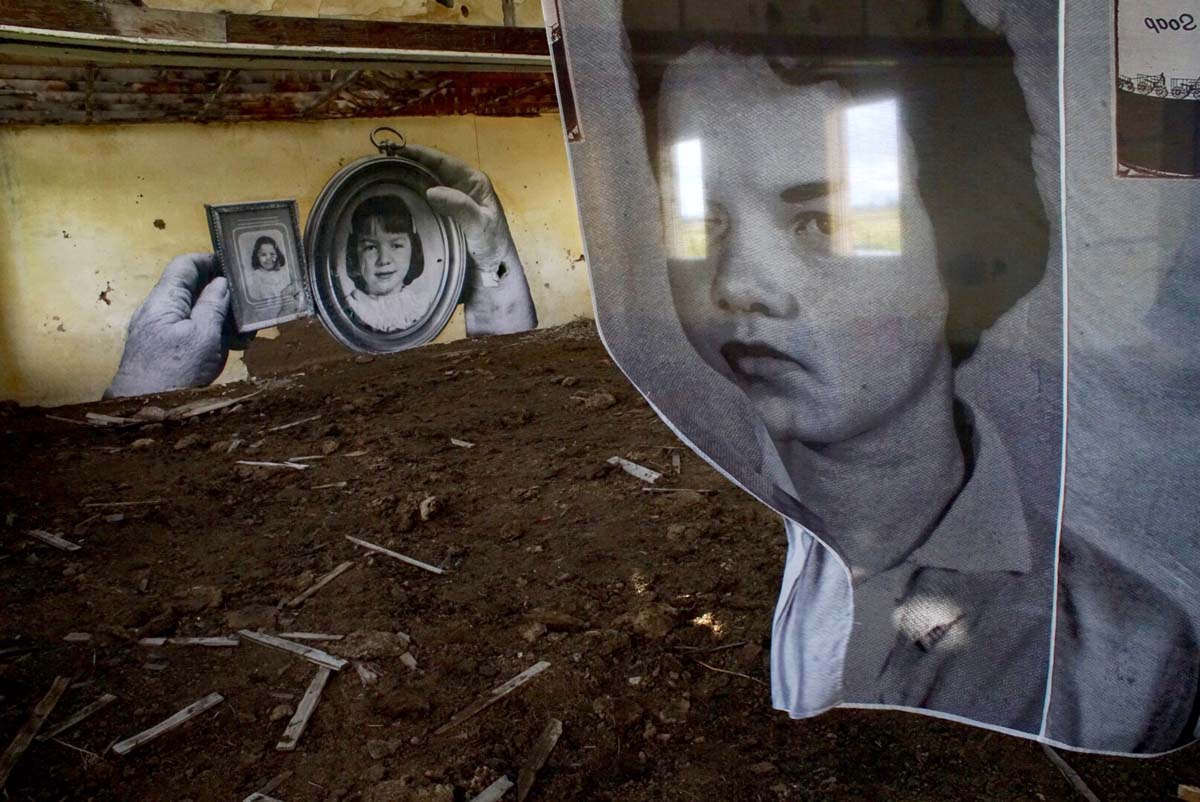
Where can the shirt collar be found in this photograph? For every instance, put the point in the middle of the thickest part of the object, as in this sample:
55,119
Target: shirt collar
985,528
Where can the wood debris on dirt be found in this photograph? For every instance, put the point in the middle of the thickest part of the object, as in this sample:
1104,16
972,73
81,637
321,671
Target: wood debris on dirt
168,724
296,466
537,757
495,695
633,469
32,725
264,794
299,723
145,502
1188,793
395,555
98,419
1071,775
300,422
317,656
320,583
494,791
78,717
51,539
454,441
217,642
317,636
193,409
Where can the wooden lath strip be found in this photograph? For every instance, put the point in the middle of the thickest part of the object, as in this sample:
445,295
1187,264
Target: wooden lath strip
226,81
331,92
89,100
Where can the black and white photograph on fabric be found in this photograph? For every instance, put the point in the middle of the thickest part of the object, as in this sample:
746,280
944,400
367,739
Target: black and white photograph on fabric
858,266
259,250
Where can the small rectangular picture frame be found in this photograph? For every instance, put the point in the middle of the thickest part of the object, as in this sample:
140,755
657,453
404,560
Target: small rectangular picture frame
260,250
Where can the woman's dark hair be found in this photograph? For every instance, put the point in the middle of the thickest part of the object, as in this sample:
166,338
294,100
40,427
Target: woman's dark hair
961,106
394,217
258,243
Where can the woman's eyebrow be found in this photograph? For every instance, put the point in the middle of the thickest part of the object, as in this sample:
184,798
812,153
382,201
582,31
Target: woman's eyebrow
800,193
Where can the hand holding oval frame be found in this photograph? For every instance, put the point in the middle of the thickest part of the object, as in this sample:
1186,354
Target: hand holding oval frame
351,308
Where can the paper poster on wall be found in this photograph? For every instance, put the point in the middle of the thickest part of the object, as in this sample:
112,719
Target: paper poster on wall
834,262
393,244
1158,88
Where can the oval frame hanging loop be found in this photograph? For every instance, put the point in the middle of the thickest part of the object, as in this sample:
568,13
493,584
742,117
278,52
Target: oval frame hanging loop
388,147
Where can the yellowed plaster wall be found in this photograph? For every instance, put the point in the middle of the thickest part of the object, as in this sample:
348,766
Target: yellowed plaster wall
79,248
528,13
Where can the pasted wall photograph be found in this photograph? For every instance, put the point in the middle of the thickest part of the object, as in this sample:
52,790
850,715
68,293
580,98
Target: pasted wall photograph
94,214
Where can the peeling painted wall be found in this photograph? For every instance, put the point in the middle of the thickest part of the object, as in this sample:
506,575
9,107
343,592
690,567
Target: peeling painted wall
80,248
528,13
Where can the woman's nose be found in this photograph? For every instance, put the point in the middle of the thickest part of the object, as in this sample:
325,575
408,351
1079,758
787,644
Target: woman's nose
753,277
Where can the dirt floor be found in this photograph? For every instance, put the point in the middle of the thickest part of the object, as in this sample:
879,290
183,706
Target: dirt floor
653,609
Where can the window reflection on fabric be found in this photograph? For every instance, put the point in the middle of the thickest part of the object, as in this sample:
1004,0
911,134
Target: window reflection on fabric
687,210
867,216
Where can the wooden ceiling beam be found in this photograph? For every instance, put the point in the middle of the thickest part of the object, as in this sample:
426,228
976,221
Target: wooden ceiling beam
91,30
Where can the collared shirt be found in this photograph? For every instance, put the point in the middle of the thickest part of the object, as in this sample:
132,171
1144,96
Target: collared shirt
928,606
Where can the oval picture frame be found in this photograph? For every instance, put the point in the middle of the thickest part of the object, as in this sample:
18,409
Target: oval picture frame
345,276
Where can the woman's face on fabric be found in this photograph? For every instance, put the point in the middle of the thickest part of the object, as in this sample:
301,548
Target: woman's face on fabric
268,256
802,262
384,257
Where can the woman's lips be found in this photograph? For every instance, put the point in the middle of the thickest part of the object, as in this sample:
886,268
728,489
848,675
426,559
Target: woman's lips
383,275
758,362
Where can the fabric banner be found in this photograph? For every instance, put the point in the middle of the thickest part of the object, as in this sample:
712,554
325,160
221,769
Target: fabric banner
878,274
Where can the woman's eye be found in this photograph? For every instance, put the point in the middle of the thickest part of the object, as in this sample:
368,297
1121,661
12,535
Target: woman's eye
813,223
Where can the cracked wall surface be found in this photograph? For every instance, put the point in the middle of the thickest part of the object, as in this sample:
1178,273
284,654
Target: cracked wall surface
472,12
83,205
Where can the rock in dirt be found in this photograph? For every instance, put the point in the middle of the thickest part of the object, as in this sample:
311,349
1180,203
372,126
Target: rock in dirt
200,597
378,748
187,441
405,520
606,642
655,622
430,507
401,703
255,616
599,400
151,413
368,645
280,712
402,791
556,621
330,445
142,443
532,631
